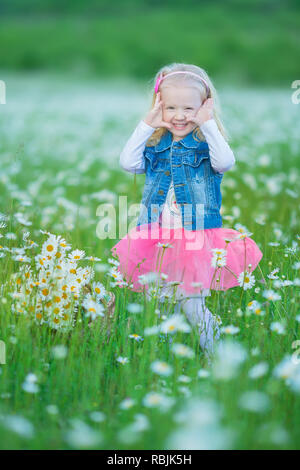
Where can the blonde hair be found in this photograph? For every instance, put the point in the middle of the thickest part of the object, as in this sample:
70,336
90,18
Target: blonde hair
175,67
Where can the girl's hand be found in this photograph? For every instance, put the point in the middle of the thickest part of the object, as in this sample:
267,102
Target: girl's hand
154,117
204,113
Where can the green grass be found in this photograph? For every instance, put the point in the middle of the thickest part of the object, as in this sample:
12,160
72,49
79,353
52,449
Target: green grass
235,42
58,150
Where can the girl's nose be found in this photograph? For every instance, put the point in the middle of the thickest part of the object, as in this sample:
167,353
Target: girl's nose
179,115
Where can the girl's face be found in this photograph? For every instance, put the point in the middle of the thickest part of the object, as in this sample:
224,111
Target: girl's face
178,105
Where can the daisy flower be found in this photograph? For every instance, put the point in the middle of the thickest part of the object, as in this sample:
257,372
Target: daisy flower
113,261
277,327
175,323
286,368
228,240
158,400
219,257
230,329
246,280
136,337
59,351
219,251
255,401
99,290
272,274
184,379
271,295
292,250
113,272
161,368
122,360
97,416
203,373
10,236
164,276
258,370
164,245
258,311
243,232
76,255
134,308
30,385
21,258
93,309
182,350
92,258
252,304
49,247
127,403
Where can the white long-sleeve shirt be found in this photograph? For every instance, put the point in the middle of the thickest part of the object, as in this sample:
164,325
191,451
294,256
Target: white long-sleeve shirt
133,161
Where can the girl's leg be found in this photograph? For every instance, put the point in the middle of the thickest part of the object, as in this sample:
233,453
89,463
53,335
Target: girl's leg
199,315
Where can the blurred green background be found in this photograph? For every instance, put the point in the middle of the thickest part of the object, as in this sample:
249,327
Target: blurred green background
247,42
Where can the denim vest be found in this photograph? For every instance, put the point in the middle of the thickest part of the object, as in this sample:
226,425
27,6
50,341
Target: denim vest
196,184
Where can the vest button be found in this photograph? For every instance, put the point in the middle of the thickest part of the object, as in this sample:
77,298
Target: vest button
160,192
167,172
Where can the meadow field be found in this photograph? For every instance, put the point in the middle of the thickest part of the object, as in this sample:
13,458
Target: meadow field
73,376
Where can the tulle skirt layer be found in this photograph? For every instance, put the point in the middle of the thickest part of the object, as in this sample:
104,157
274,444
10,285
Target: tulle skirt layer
186,256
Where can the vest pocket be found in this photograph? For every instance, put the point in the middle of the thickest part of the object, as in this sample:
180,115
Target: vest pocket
196,166
157,163
195,158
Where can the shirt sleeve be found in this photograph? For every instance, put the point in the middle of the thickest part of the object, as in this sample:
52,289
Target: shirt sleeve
221,155
131,157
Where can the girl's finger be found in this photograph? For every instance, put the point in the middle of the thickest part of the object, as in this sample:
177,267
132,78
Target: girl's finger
166,124
158,102
208,102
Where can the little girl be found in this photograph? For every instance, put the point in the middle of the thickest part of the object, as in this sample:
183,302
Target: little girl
181,147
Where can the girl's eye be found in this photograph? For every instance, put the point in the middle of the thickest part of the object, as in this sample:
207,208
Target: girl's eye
170,107
188,108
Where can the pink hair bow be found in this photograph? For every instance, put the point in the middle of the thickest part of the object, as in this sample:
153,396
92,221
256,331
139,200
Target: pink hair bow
160,78
158,82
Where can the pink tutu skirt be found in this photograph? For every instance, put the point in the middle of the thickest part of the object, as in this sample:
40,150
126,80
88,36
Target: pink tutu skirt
186,256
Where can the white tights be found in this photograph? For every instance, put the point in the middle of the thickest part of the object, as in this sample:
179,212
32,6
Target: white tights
200,316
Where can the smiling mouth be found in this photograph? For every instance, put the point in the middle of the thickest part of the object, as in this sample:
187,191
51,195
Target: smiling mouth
179,126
